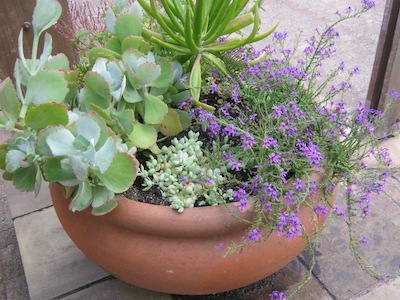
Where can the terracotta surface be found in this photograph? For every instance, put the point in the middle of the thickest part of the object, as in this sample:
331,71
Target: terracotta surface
156,248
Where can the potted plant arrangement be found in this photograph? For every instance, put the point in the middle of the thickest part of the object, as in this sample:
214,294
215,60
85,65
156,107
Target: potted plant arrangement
178,155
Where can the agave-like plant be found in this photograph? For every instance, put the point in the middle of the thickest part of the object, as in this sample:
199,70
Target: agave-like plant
193,29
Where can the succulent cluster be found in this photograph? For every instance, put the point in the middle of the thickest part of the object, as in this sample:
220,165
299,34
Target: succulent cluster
185,178
82,127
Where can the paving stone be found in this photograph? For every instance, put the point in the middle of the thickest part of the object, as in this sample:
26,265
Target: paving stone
22,203
5,218
7,237
392,189
17,289
387,291
285,280
10,262
2,291
53,264
116,289
336,266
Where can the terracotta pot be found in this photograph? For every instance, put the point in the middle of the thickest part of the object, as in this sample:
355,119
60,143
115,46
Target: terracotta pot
156,248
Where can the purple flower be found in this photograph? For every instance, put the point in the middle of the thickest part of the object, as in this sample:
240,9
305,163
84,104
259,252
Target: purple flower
253,235
368,4
364,240
298,184
337,210
274,159
270,142
247,141
280,35
289,223
235,94
240,196
219,246
321,210
393,94
229,131
235,166
276,295
313,187
214,89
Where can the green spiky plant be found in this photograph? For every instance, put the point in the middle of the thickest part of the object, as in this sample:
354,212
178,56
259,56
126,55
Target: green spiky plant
192,29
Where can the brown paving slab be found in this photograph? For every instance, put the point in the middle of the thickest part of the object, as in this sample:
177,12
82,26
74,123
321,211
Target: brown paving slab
53,264
116,289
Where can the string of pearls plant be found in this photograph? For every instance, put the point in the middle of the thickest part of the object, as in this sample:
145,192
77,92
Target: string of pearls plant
183,175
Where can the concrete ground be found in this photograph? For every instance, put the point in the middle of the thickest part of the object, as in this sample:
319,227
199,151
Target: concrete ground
52,267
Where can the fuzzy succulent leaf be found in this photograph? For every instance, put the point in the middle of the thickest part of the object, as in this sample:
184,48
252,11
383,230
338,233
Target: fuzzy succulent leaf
46,114
97,52
105,208
166,76
61,142
110,20
96,91
9,104
15,159
126,119
82,197
127,25
80,168
104,157
57,62
88,129
131,95
171,125
135,42
45,15
113,44
25,179
154,109
101,195
143,136
58,169
121,174
147,72
46,86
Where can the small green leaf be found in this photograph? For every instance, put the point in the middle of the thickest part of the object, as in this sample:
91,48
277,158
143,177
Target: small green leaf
185,119
58,62
80,168
121,174
127,25
154,109
171,125
105,155
131,95
58,169
143,136
82,197
147,72
89,129
95,53
105,208
15,159
113,44
45,15
61,142
165,78
46,114
9,104
46,86
135,42
101,195
25,179
96,91
125,118
3,153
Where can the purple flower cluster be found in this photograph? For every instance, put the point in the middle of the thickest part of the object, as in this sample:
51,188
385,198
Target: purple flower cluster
253,236
276,295
288,225
240,196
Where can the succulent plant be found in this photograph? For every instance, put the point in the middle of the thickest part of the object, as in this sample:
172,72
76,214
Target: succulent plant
184,177
84,134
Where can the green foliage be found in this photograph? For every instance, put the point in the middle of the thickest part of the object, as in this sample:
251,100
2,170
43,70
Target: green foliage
192,31
184,175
